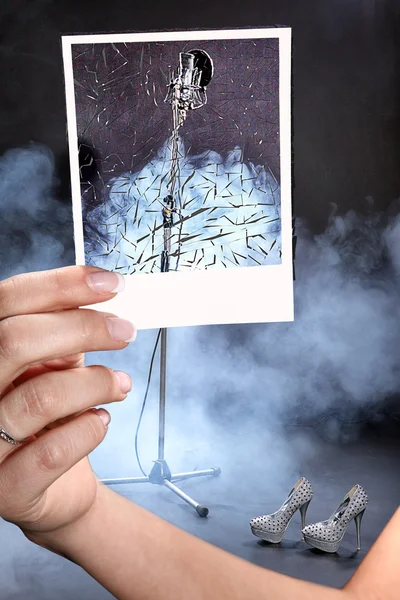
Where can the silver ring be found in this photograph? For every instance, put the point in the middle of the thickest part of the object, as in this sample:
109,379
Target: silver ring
8,438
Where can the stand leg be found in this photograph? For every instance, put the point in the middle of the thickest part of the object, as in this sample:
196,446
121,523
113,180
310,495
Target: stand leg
160,473
190,474
125,480
201,510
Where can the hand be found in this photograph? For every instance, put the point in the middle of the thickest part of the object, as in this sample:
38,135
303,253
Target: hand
46,393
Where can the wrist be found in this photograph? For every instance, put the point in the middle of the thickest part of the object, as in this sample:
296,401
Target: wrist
62,539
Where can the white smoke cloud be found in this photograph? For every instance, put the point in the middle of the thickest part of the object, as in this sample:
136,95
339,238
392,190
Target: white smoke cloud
228,210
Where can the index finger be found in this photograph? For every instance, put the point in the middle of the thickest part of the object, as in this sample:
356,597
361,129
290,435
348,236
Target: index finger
58,289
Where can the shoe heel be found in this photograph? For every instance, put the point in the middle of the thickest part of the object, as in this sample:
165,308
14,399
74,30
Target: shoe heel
303,512
357,520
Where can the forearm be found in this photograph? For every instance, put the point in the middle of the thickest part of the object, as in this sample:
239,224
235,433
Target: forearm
136,555
378,576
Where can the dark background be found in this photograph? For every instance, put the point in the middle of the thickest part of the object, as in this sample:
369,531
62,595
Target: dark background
345,93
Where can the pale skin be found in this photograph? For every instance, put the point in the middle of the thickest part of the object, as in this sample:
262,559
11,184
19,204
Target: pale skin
48,489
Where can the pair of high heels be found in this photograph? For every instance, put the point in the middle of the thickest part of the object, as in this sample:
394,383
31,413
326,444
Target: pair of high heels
325,535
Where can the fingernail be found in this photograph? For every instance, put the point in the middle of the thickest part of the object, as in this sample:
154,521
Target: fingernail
125,382
104,415
121,330
105,282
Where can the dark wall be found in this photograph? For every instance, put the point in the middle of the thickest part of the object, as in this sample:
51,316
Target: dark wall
346,83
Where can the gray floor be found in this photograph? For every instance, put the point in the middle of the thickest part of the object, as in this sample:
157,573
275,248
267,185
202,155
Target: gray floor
30,572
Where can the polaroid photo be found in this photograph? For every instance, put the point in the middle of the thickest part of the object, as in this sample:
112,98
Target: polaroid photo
180,155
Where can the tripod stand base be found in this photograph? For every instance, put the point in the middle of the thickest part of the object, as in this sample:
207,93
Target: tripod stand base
161,475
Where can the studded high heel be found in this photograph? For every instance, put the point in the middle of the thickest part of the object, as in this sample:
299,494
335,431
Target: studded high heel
272,527
328,535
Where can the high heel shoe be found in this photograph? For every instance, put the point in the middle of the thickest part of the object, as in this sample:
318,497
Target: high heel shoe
328,535
272,528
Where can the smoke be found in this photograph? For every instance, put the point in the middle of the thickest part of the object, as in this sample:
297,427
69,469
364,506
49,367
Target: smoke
233,391
36,227
229,215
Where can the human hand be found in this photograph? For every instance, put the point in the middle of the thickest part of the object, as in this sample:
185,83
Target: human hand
46,394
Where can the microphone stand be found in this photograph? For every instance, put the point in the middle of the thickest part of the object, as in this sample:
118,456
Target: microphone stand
160,474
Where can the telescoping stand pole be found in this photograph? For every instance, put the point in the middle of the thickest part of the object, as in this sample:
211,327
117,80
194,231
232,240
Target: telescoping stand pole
160,473
184,93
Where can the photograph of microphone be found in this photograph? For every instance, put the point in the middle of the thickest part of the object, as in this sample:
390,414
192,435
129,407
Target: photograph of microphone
181,154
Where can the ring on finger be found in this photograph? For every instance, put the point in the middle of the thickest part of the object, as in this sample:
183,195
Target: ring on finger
8,438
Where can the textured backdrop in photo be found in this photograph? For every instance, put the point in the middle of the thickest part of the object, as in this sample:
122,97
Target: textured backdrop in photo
123,120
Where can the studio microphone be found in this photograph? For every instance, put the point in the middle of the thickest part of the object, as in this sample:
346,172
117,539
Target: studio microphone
187,88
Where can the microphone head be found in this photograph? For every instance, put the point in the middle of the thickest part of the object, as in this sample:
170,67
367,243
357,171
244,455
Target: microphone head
188,86
186,68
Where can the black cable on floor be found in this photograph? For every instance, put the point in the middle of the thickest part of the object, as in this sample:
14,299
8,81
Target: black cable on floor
144,402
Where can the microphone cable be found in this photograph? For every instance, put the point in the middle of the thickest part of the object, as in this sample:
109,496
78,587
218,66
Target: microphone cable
144,402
